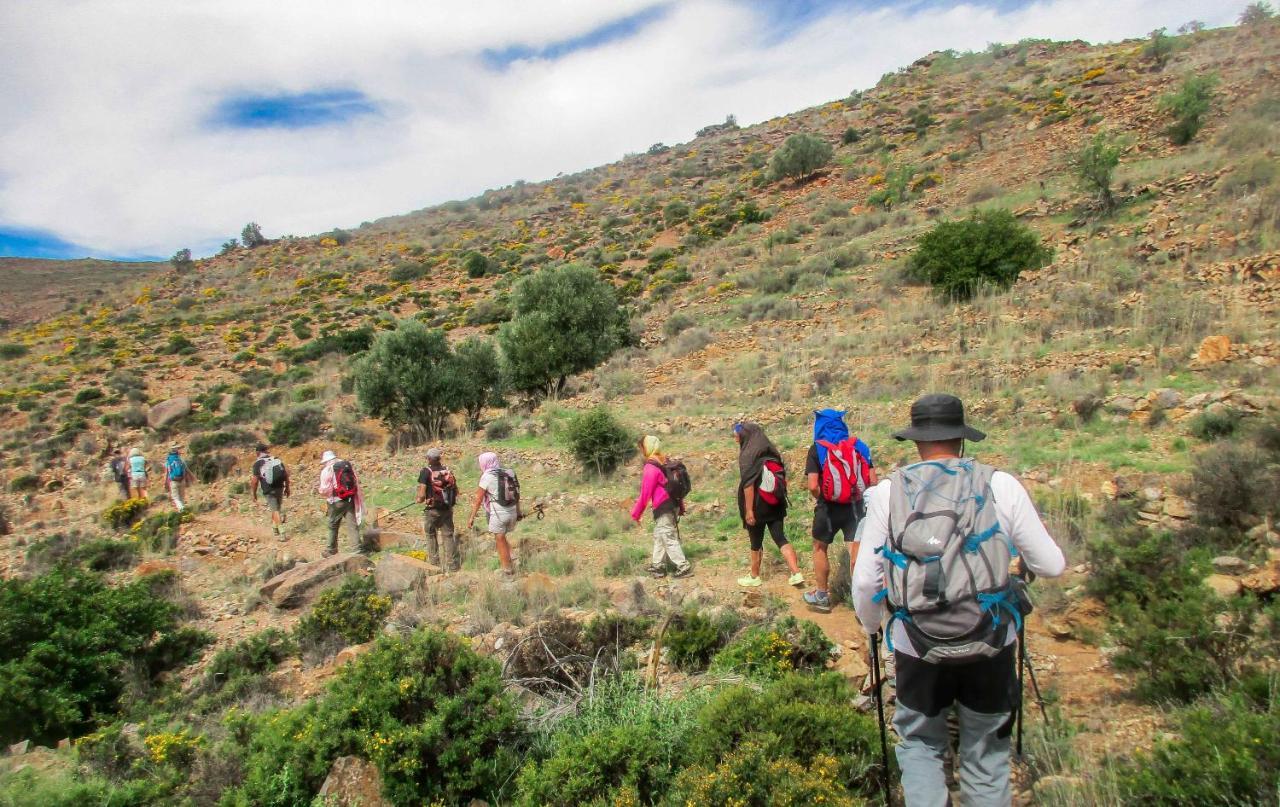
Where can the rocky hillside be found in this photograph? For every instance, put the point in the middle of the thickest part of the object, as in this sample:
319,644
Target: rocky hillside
1103,377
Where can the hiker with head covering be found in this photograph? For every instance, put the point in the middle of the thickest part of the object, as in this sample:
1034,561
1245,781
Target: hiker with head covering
762,500
119,467
438,490
499,493
138,470
838,471
937,542
661,478
269,474
344,500
176,476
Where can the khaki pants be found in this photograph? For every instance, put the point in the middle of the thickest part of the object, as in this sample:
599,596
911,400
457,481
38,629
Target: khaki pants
175,493
344,511
666,544
441,521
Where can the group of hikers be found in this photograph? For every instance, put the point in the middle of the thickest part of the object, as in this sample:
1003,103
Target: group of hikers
930,548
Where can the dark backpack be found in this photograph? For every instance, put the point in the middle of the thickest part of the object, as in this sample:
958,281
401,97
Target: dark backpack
344,480
773,482
444,491
120,469
508,488
678,485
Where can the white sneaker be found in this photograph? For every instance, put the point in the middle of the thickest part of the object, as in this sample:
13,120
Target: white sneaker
750,582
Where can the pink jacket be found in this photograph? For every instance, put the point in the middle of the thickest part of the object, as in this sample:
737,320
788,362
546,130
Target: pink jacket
652,490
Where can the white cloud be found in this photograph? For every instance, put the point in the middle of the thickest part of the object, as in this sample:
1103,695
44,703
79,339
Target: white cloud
105,139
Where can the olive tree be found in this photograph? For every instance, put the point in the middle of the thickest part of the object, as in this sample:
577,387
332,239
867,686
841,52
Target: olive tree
799,156
408,379
566,320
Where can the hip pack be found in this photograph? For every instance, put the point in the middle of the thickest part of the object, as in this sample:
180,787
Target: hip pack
946,562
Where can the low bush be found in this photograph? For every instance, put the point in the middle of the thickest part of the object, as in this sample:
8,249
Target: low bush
24,483
677,323
771,651
125,514
488,312
959,258
799,156
208,441
1211,426
178,345
692,639
69,640
598,441
210,467
408,271
240,671
499,428
1234,485
429,712
1225,751
70,549
12,350
562,655
159,531
89,395
752,774
297,426
349,614
1187,106
347,343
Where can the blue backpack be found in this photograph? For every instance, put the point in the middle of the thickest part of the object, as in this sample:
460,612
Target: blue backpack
176,468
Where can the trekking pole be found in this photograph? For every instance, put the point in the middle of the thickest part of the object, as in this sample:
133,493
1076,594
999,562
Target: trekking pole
876,684
1022,655
1035,686
398,509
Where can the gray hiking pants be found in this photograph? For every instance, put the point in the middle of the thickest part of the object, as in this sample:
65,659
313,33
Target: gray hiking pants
339,512
984,695
666,544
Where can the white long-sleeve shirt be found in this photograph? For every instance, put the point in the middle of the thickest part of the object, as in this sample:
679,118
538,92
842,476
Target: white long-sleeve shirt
1018,518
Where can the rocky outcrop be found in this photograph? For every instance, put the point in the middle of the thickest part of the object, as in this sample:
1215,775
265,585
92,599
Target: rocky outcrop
296,586
353,782
396,574
169,412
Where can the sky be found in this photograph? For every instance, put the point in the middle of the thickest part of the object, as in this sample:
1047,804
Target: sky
134,128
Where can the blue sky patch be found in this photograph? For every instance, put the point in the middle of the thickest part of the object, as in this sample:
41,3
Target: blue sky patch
18,243
620,29
294,110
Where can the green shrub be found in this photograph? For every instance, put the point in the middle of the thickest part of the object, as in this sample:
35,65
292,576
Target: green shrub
159,531
70,549
299,424
751,774
693,639
850,136
1134,563
799,156
989,249
1187,106
24,483
623,739
498,429
13,350
240,670
896,189
178,345
1234,485
426,710
69,640
1226,752
210,467
1095,165
771,651
89,395
208,441
475,264
1159,47
408,271
347,343
478,378
598,441
124,514
488,312
677,323
1211,426
1256,14
675,212
350,614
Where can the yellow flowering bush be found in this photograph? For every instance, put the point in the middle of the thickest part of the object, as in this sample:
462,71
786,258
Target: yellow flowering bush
172,748
770,651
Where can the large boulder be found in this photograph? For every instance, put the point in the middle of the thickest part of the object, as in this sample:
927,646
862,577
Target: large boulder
169,412
396,574
353,782
1214,349
294,587
378,540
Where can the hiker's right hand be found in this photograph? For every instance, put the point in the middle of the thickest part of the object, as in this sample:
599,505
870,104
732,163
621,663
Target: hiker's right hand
751,519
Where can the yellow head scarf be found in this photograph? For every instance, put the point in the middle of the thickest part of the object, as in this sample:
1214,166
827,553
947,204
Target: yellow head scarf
649,445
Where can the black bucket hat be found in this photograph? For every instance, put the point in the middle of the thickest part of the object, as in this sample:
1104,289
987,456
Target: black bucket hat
936,418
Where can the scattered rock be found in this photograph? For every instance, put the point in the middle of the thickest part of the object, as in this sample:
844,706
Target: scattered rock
1223,585
353,782
853,666
152,567
349,654
20,748
168,412
378,540
1059,630
1177,507
1122,405
628,596
396,574
699,596
1229,564
1165,398
294,587
1264,582
1214,349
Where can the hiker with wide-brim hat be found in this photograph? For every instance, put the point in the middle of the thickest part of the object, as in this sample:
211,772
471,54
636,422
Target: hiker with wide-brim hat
762,500
937,542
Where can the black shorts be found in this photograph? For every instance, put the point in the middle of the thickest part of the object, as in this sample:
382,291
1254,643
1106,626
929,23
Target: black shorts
828,519
776,532
987,685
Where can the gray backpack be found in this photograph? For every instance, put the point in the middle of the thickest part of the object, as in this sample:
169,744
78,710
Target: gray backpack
946,562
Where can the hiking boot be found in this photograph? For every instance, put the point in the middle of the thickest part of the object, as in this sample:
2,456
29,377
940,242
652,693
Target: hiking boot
796,579
750,582
656,572
686,571
819,601
328,552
